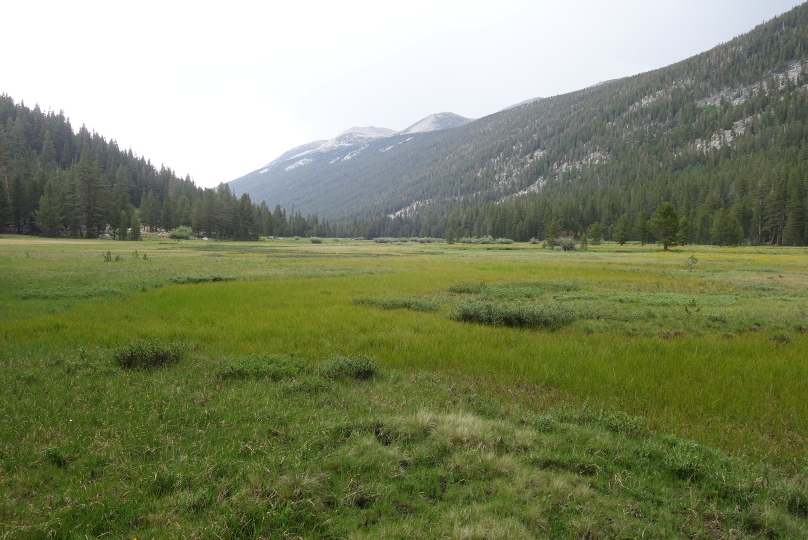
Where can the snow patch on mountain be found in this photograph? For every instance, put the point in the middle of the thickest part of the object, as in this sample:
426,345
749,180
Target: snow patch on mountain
387,149
355,136
296,164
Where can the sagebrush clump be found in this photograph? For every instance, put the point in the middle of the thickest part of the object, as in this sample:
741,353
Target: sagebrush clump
358,367
143,354
494,314
261,366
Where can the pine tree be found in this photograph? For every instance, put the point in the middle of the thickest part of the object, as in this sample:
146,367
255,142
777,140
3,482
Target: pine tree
124,222
794,230
684,231
552,232
90,196
726,230
643,230
665,224
5,206
47,160
269,224
595,233
134,232
50,215
623,230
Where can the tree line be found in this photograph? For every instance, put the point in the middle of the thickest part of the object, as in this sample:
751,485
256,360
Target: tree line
57,182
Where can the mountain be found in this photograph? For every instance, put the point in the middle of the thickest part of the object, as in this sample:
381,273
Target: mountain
522,103
720,135
279,180
437,122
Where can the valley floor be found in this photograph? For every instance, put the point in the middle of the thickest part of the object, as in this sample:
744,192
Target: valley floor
519,392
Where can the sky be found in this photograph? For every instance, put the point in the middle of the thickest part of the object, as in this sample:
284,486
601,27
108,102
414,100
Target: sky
216,90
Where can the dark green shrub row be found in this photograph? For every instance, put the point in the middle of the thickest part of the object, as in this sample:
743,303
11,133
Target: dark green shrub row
358,367
67,292
143,354
482,312
181,280
261,366
398,303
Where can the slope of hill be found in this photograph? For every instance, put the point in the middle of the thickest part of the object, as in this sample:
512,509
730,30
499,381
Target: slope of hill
720,132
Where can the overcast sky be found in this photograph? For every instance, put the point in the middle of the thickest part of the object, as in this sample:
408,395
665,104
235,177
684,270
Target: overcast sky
218,89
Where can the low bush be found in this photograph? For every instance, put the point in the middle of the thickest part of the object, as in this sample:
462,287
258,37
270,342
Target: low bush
261,366
316,240
181,233
143,354
493,314
389,240
398,303
358,367
182,280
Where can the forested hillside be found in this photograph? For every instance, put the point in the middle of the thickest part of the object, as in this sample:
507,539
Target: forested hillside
721,136
56,182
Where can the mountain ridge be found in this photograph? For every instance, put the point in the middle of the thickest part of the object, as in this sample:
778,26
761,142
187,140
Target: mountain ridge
720,133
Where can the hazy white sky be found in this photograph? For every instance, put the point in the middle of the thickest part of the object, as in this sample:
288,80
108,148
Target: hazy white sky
218,89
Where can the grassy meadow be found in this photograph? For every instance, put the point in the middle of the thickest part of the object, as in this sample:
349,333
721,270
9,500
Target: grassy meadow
615,391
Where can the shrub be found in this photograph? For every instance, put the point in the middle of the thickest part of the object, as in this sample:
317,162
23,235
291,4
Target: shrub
390,240
182,280
567,243
181,233
358,367
143,354
482,312
398,303
316,240
261,366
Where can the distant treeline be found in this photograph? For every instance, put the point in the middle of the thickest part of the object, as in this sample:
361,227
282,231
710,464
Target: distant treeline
55,182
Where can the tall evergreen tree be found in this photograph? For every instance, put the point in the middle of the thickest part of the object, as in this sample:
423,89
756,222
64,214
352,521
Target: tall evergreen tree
623,230
50,215
91,196
643,230
665,224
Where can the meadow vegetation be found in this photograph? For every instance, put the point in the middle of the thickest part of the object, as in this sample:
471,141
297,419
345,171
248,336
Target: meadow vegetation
271,397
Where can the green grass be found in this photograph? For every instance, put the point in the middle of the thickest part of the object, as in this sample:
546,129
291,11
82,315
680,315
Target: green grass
242,428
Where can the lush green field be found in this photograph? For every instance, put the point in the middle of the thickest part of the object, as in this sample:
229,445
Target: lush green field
714,353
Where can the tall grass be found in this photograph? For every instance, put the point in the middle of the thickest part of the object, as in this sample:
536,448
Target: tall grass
723,380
